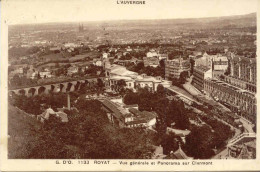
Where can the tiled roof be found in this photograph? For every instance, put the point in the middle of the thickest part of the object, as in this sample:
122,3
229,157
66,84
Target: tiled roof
134,111
148,79
141,121
112,106
179,154
220,58
120,70
202,68
141,117
128,106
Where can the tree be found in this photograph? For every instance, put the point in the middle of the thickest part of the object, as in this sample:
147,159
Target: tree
192,63
183,76
131,98
16,81
86,135
175,82
228,71
162,63
139,66
120,86
170,142
100,85
199,143
178,114
160,90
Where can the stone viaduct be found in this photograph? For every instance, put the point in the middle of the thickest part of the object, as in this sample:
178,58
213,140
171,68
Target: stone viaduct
68,86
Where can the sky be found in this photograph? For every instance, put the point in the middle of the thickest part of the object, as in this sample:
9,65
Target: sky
43,11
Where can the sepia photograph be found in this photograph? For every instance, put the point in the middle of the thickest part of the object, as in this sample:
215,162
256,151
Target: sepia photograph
155,80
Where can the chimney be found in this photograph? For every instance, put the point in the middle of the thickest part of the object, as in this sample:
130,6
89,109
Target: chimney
68,101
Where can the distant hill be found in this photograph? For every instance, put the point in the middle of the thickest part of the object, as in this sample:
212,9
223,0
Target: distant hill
247,20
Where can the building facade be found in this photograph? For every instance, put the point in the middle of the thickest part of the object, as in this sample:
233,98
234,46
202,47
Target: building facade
242,73
200,73
152,53
240,101
151,61
219,65
173,68
122,116
116,73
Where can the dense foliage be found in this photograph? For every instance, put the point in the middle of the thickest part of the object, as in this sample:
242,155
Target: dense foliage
168,111
88,135
37,104
148,70
202,140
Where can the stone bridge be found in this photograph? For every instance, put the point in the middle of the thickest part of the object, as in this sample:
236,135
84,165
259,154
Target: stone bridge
68,86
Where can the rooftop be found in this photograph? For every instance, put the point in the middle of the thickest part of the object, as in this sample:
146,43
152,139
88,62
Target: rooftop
119,114
121,70
231,87
202,68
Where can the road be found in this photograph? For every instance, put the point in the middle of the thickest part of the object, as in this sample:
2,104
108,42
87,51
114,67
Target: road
183,93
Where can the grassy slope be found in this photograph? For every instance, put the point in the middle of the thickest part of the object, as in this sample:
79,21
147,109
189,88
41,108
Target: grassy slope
22,129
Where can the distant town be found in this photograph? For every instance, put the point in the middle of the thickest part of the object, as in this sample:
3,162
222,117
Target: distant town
148,89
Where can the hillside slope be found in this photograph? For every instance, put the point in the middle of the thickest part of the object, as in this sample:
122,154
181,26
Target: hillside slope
22,130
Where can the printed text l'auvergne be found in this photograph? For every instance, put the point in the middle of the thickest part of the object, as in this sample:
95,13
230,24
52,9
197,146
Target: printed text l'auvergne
131,2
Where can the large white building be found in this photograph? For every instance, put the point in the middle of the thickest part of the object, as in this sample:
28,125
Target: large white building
218,63
152,53
122,115
115,73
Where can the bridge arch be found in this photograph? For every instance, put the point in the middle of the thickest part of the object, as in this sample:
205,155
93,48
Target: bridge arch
41,90
32,91
69,86
52,88
12,93
22,92
77,85
61,87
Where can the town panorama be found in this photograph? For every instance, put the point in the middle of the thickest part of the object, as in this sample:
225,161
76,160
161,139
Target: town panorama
137,89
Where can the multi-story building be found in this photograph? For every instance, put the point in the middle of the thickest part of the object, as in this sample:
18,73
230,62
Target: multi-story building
150,82
162,56
173,68
152,53
200,73
115,73
241,101
242,73
151,61
202,60
122,116
219,65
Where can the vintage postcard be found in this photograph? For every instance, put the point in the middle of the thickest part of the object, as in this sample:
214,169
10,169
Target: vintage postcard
129,85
